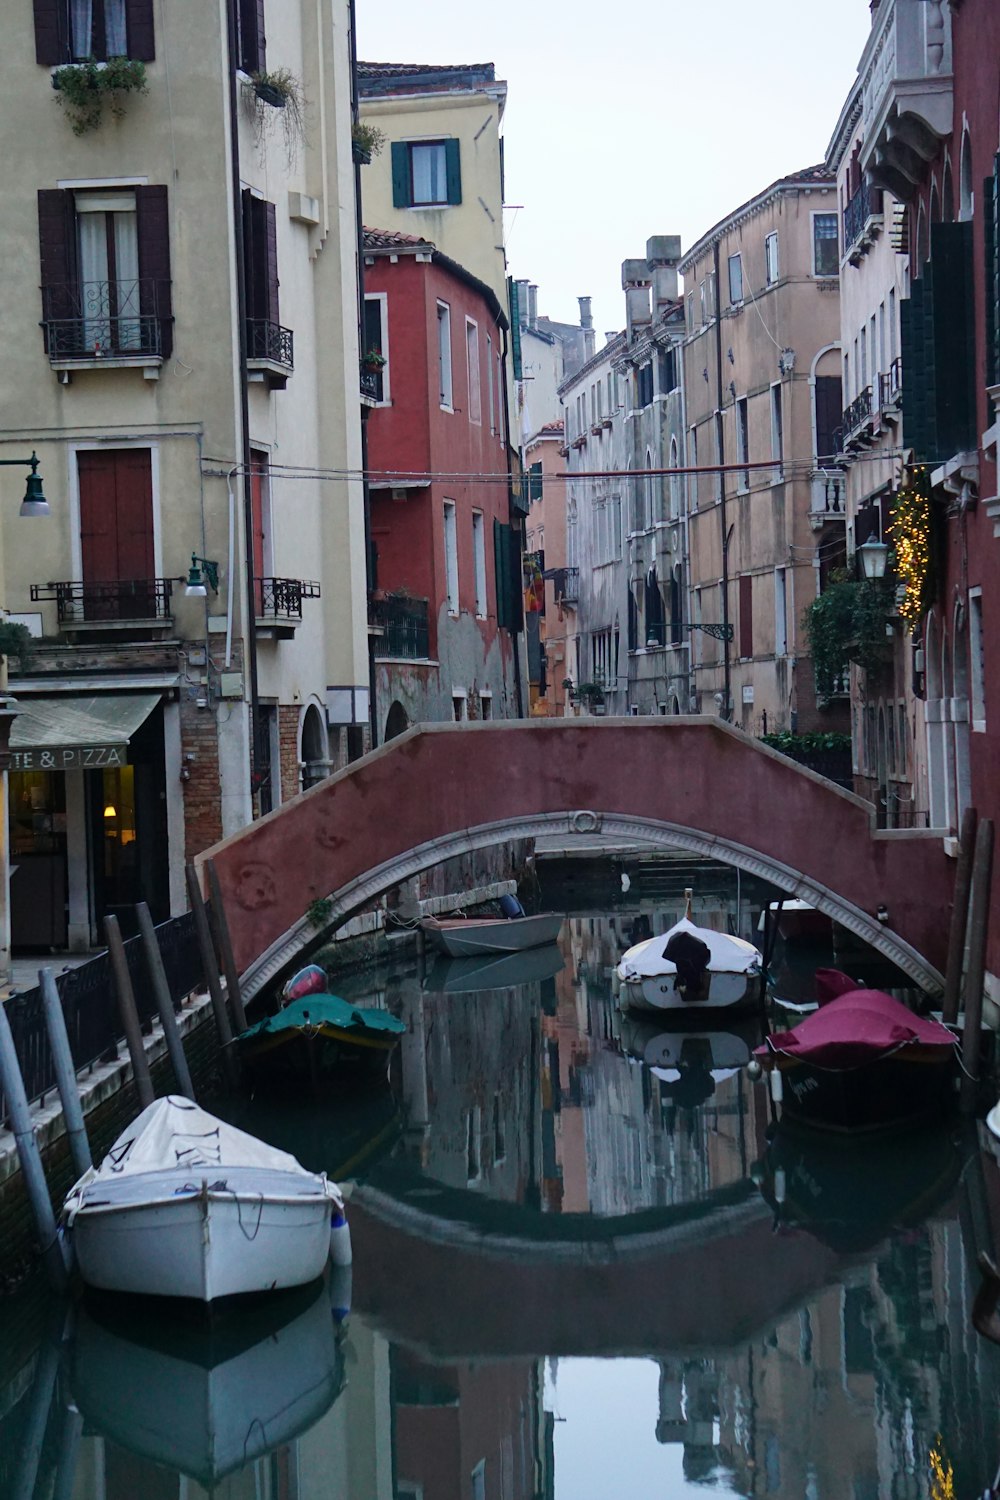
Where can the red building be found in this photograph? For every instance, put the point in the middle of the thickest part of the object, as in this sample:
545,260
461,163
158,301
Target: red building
447,597
933,140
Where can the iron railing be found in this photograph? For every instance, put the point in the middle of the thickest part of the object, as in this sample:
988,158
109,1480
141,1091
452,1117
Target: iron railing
281,598
891,385
865,204
266,340
118,599
405,628
565,583
103,319
90,1005
858,413
371,383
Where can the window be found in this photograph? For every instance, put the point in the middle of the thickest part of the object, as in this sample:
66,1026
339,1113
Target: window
478,1491
479,557
105,272
690,312
490,385
501,408
720,448
75,30
780,613
771,258
675,482
485,706
735,280
117,552
451,556
250,26
260,503
826,251
746,615
472,366
743,441
693,479
444,355
265,337
459,707
777,431
426,174
977,667
644,386
377,340
863,369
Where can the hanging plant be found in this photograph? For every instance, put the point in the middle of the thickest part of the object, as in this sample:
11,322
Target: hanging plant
82,88
15,642
846,624
910,531
268,97
366,141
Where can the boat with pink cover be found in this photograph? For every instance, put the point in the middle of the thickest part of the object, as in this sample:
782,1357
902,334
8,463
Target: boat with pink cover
863,1061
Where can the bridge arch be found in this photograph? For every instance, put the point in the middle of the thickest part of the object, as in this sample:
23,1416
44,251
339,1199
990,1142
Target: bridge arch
686,782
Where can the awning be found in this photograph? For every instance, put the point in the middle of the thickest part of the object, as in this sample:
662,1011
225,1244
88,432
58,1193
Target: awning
69,734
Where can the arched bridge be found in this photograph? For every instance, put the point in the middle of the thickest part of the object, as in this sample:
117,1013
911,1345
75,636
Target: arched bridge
694,783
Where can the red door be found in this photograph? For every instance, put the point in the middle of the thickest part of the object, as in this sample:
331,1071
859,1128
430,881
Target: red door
116,534
258,482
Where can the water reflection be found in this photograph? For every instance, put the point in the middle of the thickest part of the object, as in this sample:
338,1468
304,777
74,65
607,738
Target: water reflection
585,1264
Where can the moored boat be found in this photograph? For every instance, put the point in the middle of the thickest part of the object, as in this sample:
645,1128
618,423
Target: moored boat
689,969
493,971
184,1205
318,1035
466,937
863,1061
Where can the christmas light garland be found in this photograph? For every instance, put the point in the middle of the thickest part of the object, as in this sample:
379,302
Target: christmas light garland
910,530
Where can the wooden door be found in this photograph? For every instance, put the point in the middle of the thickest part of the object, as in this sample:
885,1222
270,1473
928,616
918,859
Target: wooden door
116,533
258,485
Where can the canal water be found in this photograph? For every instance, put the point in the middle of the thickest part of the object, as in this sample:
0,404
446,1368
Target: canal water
587,1266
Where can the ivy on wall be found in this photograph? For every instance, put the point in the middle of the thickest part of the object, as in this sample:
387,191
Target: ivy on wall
846,624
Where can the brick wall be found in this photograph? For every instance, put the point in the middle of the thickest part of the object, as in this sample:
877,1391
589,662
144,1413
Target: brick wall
288,750
202,791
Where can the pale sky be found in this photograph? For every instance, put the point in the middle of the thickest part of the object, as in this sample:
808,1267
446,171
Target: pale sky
624,121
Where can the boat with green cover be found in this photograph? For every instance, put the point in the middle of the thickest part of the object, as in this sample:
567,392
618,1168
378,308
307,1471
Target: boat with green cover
317,1035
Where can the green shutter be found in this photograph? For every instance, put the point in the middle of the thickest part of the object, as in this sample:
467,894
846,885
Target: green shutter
954,339
453,171
500,571
402,194
991,238
515,327
535,482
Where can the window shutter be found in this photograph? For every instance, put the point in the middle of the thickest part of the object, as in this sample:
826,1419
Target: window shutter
746,614
954,348
402,196
515,327
261,37
990,279
155,300
57,255
270,261
51,43
249,255
139,30
453,171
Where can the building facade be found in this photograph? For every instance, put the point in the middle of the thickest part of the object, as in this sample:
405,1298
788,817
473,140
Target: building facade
552,587
762,383
187,414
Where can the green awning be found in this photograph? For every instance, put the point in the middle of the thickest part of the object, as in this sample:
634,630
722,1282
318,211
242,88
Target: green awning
63,734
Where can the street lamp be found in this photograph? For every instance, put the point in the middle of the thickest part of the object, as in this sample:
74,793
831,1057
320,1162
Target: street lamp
873,555
34,502
200,570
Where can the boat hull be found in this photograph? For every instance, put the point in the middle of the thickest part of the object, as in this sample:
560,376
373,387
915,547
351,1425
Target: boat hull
317,1053
179,1236
468,937
726,991
889,1093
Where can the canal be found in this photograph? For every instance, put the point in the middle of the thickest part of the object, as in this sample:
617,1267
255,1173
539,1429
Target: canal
587,1264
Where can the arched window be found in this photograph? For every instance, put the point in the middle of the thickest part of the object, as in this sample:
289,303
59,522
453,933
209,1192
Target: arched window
966,196
947,194
654,610
315,754
675,483
653,488
935,214
397,721
923,252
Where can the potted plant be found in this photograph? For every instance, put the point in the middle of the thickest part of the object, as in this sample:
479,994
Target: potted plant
366,141
591,695
277,90
374,360
81,89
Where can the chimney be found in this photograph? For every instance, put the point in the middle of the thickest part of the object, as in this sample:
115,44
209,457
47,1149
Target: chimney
663,252
522,303
532,306
586,319
636,282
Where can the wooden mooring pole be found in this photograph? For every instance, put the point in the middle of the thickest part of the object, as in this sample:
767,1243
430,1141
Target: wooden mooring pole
164,1004
128,1013
62,1061
19,1113
211,972
982,874
959,917
224,945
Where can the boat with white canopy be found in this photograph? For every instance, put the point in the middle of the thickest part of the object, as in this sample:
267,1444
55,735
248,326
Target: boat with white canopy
689,969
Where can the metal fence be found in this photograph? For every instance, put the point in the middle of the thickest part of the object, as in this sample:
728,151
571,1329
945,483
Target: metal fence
90,1005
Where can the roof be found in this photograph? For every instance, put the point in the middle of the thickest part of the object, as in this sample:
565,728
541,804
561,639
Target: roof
815,176
394,239
382,242
375,78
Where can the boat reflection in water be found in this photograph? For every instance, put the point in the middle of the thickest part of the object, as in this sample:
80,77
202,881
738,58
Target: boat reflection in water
493,971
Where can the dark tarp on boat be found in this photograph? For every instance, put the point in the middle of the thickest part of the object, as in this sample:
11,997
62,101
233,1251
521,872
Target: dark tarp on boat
326,1010
856,1028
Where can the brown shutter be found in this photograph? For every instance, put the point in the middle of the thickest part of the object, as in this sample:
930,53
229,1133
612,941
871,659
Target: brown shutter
98,519
116,531
271,262
134,497
154,261
261,38
746,614
51,44
140,30
57,254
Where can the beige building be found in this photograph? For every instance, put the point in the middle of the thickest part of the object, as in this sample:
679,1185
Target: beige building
189,376
762,383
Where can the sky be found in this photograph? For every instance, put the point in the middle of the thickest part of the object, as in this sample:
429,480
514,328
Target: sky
658,118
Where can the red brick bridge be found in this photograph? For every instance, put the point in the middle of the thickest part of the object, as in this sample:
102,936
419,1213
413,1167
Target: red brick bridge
693,783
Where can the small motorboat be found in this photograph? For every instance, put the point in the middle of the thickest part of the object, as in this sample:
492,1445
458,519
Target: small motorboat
467,937
863,1061
185,1205
493,971
689,969
318,1035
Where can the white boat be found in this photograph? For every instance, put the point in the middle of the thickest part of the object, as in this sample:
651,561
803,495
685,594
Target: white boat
465,937
184,1205
717,972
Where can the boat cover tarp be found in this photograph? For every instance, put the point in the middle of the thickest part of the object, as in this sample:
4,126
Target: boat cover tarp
729,955
326,1010
856,1028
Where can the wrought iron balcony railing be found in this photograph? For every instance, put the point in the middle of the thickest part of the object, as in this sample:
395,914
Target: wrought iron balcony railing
102,319
565,583
122,599
371,383
865,205
281,598
891,386
404,626
858,413
266,340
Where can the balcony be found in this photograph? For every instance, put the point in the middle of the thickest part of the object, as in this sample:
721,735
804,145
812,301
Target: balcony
401,627
270,353
370,386
138,605
863,221
826,499
565,584
906,92
115,324
858,421
890,392
278,605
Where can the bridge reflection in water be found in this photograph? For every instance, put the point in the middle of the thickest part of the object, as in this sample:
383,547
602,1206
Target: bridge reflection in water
531,1195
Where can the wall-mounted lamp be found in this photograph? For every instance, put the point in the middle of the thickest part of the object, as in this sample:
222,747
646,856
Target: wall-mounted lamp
34,502
111,811
201,569
873,555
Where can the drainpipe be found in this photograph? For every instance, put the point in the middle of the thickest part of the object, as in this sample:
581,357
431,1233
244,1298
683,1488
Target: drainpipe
727,709
366,488
518,688
250,623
